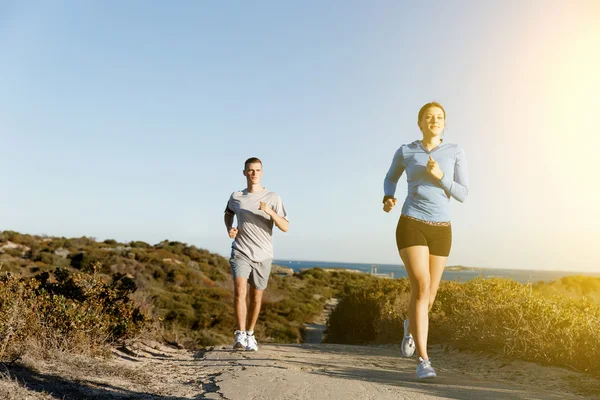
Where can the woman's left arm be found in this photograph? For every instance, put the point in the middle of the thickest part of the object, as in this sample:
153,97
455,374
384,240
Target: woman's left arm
458,185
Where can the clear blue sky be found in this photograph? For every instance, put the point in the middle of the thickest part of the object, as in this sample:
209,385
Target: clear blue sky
132,120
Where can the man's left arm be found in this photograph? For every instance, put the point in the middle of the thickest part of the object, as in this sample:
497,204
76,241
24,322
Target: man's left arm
281,221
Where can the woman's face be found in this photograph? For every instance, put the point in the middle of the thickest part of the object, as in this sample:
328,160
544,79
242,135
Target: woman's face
433,121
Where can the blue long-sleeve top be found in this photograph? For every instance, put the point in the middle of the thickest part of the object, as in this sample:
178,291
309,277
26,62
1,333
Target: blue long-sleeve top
428,198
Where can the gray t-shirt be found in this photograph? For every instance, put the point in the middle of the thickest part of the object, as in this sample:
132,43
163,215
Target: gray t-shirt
255,227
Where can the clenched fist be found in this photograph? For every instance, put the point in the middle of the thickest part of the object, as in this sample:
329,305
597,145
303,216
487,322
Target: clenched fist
232,232
434,169
389,204
266,208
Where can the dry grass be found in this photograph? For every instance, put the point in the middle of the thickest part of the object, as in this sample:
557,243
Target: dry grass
74,312
140,369
503,316
12,389
496,316
574,287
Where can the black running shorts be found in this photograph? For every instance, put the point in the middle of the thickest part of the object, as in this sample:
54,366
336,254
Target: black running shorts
412,232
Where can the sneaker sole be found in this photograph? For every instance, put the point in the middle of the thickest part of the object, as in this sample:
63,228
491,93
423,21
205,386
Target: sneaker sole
239,346
406,354
430,376
406,333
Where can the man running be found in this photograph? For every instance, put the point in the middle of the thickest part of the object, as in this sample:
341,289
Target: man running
256,209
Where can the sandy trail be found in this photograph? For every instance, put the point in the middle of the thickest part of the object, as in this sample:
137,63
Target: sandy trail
148,370
356,372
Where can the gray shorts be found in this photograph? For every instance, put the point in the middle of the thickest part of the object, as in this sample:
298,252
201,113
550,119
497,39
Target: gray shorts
257,273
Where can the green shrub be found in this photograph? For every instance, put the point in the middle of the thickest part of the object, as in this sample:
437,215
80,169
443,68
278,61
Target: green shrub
503,316
574,287
64,310
368,313
189,288
489,315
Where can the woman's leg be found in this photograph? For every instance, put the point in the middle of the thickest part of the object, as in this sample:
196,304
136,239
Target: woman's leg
416,262
436,269
440,242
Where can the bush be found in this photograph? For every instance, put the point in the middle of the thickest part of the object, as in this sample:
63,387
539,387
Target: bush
574,287
506,317
489,315
66,311
189,288
139,245
368,313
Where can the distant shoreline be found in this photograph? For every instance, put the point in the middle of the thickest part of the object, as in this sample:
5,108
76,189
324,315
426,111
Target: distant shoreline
340,264
337,263
463,268
460,273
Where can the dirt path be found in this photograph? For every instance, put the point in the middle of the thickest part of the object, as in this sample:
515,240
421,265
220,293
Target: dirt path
313,332
152,371
357,372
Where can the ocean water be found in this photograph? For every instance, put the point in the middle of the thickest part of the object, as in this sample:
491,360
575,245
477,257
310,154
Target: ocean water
518,275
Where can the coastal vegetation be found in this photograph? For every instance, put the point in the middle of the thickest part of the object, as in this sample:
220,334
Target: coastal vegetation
83,295
549,323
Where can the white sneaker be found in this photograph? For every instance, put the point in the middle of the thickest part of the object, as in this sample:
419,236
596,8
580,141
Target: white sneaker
241,340
425,370
251,344
408,343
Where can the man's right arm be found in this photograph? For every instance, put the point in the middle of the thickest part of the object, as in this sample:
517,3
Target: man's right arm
228,218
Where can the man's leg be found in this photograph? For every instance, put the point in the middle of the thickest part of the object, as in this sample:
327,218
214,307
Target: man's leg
239,302
240,268
254,308
253,311
259,278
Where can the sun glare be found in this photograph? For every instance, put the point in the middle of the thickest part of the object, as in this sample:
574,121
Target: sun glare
573,105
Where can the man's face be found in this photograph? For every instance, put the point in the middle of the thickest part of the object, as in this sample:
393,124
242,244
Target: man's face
253,173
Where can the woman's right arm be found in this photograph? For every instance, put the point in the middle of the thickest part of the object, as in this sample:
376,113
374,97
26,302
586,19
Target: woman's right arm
391,178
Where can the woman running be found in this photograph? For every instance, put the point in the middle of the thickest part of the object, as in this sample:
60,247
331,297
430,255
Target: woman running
435,171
